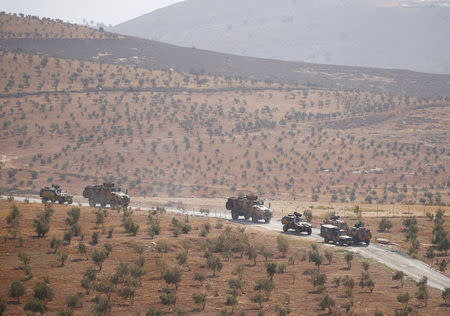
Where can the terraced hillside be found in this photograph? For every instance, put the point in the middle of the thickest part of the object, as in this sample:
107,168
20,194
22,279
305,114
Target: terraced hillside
170,133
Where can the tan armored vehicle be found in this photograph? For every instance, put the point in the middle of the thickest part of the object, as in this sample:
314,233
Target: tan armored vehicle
335,234
360,234
248,206
55,194
296,222
334,220
106,193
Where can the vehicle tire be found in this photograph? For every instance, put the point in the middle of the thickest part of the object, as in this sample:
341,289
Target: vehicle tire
234,215
91,203
61,201
267,220
228,205
44,200
254,219
326,240
309,231
103,204
247,217
285,228
368,242
70,201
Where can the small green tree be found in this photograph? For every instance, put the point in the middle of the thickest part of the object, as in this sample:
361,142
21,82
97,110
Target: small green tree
271,269
404,299
153,311
62,257
200,299
199,277
329,256
214,263
399,275
34,305
264,285
173,276
446,295
3,306
283,245
252,254
385,224
327,302
73,216
98,256
43,292
169,296
422,291
16,290
348,259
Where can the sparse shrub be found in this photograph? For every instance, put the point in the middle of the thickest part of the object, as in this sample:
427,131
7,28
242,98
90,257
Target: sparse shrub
200,299
163,246
16,290
271,269
73,301
200,277
327,303
98,257
62,257
283,245
67,237
308,215
329,256
181,258
3,306
94,238
385,224
399,275
169,296
348,259
446,295
73,216
153,311
43,292
214,263
102,305
34,305
64,312
404,299
110,232
266,286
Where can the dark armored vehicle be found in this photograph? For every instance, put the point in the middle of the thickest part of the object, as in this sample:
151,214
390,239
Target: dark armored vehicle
335,234
296,222
55,194
106,193
248,206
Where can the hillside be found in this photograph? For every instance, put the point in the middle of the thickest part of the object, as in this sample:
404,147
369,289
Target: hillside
169,133
387,34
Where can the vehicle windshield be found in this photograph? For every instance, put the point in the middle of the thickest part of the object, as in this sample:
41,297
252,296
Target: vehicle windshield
258,203
341,233
116,189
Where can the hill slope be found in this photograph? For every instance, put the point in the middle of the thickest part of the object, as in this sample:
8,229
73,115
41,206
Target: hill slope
388,34
168,133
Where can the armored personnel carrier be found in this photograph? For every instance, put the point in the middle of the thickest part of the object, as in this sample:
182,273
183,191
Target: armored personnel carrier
335,234
296,222
334,220
106,193
360,234
248,206
55,194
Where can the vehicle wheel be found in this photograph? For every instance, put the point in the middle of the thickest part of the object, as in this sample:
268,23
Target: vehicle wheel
254,219
234,215
70,201
267,220
309,231
326,241
103,204
285,228
228,205
367,242
44,200
61,201
247,217
91,203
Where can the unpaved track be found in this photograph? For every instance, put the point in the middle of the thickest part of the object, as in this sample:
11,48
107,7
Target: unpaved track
395,260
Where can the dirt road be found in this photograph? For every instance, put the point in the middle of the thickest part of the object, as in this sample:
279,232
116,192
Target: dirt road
395,260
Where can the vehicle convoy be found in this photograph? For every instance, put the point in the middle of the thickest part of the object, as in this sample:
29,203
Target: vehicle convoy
296,222
55,194
106,193
335,234
248,206
358,233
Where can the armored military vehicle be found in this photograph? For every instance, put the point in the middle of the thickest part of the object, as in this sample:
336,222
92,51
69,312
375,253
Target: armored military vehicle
248,206
360,233
106,193
296,222
55,194
334,220
335,234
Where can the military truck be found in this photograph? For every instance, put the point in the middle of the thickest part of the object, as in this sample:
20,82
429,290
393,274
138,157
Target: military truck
335,234
248,206
106,193
296,222
334,220
55,194
360,233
